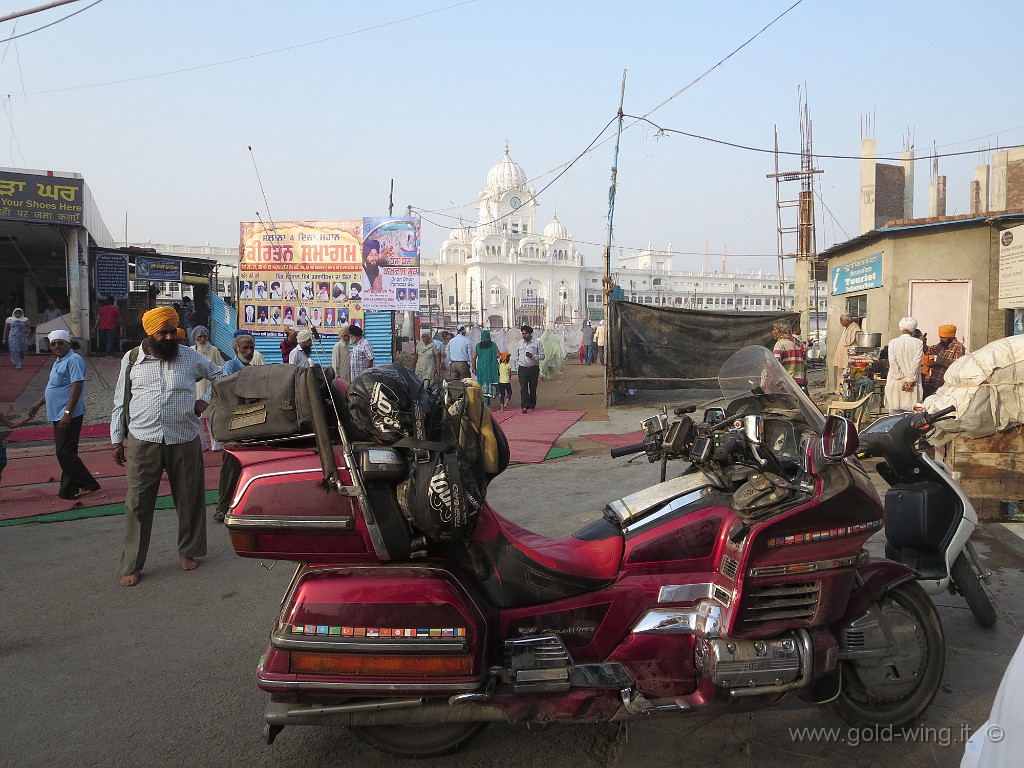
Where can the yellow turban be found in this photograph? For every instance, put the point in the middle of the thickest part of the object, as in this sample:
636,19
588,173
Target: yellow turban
156,319
947,331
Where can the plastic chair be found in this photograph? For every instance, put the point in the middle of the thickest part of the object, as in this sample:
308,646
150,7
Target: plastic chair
858,408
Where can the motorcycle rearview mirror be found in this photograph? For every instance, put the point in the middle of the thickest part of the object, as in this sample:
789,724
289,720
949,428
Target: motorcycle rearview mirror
713,415
839,438
753,428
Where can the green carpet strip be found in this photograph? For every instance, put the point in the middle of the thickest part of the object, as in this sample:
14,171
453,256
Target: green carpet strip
162,502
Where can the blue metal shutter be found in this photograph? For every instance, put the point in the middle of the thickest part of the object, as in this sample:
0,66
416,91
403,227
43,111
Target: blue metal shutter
222,326
378,329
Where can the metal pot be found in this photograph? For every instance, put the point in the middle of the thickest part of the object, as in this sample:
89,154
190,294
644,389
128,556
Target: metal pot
872,340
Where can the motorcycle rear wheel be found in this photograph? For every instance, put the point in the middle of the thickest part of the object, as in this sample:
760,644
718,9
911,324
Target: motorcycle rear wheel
967,583
912,618
420,740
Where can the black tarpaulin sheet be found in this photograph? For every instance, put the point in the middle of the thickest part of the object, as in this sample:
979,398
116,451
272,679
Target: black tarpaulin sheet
666,348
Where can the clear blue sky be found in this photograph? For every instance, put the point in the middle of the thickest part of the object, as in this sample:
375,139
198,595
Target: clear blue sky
426,93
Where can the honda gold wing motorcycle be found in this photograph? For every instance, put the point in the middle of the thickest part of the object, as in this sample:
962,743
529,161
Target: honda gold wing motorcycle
741,583
928,518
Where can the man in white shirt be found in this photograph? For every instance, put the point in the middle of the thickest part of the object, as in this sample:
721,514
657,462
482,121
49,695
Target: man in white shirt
300,355
460,352
154,428
340,358
529,353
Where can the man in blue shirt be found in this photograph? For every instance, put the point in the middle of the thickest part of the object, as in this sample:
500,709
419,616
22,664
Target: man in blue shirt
65,409
245,351
460,353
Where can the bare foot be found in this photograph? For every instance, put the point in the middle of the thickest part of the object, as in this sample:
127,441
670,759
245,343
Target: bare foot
188,564
130,580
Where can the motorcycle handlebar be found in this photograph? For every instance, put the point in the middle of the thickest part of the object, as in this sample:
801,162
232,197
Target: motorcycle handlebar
627,450
684,410
933,417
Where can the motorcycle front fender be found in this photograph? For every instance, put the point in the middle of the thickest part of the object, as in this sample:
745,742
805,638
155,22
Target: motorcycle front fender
874,579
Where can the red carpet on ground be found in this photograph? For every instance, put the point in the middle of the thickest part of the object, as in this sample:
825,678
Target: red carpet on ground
31,482
618,441
531,435
15,382
36,434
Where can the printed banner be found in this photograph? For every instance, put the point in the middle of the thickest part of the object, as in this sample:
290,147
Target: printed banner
860,275
300,273
150,268
326,273
1011,268
391,264
52,199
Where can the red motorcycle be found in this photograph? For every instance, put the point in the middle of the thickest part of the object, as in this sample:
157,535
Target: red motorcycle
739,584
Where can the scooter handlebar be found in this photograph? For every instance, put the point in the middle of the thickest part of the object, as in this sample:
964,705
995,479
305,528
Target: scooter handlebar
938,415
627,450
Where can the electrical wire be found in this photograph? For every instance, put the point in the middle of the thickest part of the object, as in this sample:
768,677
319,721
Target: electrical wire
257,55
52,23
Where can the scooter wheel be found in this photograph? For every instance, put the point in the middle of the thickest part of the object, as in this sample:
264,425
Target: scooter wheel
898,690
967,583
420,740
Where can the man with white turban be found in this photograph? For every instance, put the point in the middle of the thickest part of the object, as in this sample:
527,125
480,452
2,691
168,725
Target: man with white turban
64,399
903,384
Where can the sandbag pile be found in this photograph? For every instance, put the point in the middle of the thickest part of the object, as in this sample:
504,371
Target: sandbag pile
987,388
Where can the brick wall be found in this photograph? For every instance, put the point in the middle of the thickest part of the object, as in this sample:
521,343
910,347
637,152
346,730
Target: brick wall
889,182
1014,185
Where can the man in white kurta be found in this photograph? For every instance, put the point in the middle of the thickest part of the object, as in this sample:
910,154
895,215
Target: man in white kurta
903,383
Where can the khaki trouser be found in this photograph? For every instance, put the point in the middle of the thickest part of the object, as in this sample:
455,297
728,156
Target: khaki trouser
146,463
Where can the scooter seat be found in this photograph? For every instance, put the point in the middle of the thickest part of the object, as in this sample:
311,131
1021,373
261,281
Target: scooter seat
526,568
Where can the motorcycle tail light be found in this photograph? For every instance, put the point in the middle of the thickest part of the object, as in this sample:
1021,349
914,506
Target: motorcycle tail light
243,542
303,662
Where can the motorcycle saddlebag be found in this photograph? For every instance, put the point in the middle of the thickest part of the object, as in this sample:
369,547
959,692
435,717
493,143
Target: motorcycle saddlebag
260,402
410,628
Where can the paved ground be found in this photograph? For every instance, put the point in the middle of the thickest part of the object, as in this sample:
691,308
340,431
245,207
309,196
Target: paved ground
162,674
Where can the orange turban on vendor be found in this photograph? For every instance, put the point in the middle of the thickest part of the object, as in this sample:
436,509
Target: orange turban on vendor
156,319
947,331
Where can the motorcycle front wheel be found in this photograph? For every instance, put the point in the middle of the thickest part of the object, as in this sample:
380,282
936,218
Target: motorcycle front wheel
898,690
967,583
419,740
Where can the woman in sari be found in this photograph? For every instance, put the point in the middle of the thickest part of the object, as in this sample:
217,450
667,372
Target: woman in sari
485,363
201,344
426,358
17,334
554,355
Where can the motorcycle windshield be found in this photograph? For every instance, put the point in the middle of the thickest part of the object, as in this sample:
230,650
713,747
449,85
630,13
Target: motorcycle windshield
754,381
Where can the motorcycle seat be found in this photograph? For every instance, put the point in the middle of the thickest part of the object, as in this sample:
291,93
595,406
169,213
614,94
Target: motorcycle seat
528,568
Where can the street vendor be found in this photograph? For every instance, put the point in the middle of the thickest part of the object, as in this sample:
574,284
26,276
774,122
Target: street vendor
847,339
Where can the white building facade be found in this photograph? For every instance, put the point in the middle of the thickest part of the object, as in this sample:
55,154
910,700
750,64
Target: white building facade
504,272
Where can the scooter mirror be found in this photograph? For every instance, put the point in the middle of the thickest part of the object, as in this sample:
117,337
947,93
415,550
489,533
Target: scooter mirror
753,427
713,415
839,438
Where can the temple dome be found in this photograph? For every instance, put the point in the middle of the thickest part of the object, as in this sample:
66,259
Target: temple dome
556,230
505,176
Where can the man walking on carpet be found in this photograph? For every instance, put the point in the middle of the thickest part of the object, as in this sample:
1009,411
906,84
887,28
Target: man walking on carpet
65,409
529,353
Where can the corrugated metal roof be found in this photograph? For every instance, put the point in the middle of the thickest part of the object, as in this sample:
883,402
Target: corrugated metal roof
915,224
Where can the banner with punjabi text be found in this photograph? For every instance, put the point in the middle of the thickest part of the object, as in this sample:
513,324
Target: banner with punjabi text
391,264
295,274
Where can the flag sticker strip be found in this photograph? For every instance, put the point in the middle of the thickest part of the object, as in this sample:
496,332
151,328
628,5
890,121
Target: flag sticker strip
416,632
832,533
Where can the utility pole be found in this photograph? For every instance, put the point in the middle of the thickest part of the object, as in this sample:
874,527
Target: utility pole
391,199
606,287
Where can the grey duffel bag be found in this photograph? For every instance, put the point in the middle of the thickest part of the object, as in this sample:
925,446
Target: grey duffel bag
261,401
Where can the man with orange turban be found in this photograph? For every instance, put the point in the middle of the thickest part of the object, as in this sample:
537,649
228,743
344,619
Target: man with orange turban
946,351
154,428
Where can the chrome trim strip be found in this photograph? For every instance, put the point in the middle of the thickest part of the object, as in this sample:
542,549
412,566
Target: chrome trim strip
685,593
240,491
670,507
297,643
705,619
635,504
360,686
264,522
799,569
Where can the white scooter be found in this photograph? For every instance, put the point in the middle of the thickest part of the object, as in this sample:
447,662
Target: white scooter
928,518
